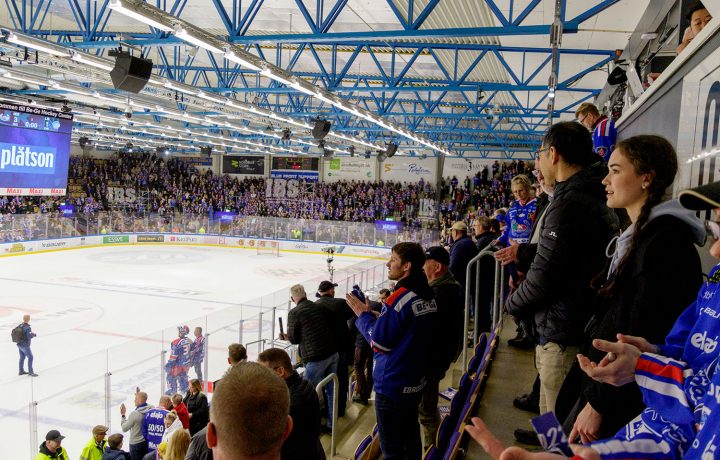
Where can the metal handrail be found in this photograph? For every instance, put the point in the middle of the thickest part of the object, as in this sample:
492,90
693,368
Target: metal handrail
498,291
319,388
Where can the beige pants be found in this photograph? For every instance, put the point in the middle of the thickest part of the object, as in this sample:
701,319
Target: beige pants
553,363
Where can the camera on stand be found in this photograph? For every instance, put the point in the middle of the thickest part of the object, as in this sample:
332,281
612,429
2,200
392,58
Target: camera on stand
330,252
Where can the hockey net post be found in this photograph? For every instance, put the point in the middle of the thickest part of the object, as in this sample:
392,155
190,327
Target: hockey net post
271,248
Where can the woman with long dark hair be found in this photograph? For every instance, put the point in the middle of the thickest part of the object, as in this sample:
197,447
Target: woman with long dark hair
197,406
653,274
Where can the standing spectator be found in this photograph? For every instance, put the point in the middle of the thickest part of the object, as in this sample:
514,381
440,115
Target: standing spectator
179,362
197,406
604,134
181,410
578,225
197,352
448,338
340,316
153,426
304,440
250,415
24,347
94,449
399,336
484,234
309,326
521,215
236,354
199,449
461,252
178,445
134,423
640,295
363,362
114,451
51,448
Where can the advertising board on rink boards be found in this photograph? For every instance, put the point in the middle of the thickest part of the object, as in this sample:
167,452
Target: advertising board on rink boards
27,247
408,169
349,168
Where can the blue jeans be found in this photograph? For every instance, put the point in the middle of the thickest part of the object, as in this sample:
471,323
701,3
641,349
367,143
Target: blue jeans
138,451
398,428
25,352
315,371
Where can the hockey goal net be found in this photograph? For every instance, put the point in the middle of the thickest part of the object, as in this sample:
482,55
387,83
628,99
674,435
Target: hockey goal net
268,248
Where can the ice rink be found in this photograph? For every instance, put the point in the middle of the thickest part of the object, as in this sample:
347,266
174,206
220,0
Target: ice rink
103,317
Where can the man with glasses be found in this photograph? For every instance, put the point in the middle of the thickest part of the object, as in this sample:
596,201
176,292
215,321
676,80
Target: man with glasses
577,226
604,134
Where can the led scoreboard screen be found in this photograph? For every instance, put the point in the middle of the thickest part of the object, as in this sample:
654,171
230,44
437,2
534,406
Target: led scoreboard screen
34,150
305,168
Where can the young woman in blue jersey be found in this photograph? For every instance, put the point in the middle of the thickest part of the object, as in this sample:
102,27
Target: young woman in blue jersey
520,216
679,380
640,294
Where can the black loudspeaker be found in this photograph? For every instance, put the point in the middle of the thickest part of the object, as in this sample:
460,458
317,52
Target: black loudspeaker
390,149
617,76
130,73
321,129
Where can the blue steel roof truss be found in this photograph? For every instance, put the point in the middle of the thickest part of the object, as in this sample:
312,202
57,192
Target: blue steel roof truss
422,104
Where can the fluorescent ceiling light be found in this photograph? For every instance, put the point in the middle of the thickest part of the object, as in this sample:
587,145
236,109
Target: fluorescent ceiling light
270,74
95,62
39,45
208,97
183,34
120,7
156,81
231,56
187,90
300,87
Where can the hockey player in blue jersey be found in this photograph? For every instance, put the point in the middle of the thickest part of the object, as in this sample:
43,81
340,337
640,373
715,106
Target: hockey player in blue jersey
521,214
179,362
679,380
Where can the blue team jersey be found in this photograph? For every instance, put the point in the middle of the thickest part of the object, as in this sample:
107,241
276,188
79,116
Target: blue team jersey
153,427
180,351
519,220
604,137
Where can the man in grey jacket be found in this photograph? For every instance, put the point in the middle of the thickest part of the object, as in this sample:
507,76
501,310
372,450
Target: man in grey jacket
133,424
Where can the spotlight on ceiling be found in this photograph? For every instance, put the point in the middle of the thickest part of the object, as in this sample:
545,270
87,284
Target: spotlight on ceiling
321,129
65,109
328,153
164,150
390,149
351,149
206,150
286,133
368,154
129,147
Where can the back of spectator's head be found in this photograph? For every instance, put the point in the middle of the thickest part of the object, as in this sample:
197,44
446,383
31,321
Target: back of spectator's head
412,253
165,402
585,109
178,445
236,353
176,399
115,441
141,397
297,292
572,141
274,358
249,416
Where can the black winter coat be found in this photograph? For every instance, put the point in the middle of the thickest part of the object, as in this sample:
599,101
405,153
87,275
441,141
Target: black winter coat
304,440
556,293
340,315
526,251
461,252
450,301
310,327
197,405
656,286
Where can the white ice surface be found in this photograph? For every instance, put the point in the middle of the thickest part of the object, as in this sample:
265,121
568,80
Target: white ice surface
114,310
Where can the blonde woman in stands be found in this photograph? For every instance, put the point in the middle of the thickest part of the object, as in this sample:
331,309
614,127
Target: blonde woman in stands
178,445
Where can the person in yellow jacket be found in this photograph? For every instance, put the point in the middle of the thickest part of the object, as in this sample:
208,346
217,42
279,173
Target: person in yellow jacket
51,448
94,449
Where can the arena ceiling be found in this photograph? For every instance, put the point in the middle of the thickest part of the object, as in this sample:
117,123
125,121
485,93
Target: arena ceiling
477,78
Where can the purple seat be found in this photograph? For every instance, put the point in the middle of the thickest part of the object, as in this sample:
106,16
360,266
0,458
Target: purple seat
363,446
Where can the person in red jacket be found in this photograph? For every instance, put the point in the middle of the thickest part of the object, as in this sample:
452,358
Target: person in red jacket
181,409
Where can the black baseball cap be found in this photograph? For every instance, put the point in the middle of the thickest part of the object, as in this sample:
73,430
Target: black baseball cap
54,435
701,198
326,286
438,254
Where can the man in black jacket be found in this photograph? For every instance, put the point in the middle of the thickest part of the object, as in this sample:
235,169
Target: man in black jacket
448,337
310,327
484,236
577,226
341,317
304,440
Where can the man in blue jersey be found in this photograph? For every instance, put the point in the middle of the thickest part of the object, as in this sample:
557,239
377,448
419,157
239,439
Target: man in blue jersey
179,362
604,134
521,215
153,425
401,335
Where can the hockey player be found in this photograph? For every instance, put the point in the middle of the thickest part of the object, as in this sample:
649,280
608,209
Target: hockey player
179,362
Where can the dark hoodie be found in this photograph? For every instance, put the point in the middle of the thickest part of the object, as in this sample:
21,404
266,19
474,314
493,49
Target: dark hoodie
556,296
115,454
